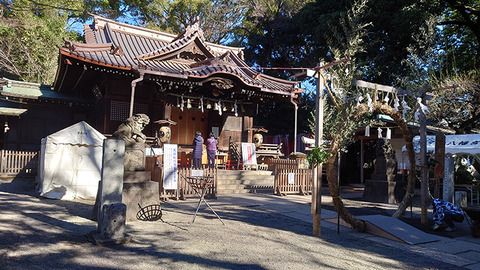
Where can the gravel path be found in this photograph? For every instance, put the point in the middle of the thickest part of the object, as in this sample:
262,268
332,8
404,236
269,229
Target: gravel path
38,233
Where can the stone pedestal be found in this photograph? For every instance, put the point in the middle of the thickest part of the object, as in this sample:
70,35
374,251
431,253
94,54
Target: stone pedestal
384,191
139,193
135,157
138,189
385,185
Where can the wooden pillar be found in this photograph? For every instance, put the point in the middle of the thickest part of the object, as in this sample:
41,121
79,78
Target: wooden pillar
423,160
362,160
440,158
317,172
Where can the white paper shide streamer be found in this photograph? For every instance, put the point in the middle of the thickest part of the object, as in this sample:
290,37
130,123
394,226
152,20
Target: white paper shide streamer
367,131
405,107
389,134
369,103
359,100
379,132
219,107
396,103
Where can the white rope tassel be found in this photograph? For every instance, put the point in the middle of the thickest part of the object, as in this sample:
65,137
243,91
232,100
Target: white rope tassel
201,104
219,107
389,134
236,108
367,131
379,133
182,104
386,99
369,103
359,100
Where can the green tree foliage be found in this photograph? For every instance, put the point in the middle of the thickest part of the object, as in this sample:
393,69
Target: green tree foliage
270,36
218,18
460,35
29,34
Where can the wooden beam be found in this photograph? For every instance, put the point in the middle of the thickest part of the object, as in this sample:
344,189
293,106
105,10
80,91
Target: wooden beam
384,88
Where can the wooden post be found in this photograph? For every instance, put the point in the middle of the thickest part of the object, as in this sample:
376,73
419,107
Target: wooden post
362,160
423,159
317,171
440,158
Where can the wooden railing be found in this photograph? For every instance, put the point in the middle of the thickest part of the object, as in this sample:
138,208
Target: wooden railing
302,176
301,184
184,190
18,163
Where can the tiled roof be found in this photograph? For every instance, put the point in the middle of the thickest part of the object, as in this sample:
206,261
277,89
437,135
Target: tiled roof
186,56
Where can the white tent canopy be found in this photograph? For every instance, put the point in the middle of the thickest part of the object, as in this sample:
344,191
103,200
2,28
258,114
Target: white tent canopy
70,163
454,144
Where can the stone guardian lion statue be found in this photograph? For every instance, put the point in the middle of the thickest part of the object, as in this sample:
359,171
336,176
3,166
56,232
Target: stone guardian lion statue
131,130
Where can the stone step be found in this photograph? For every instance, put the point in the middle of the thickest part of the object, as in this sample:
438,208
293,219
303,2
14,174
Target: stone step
241,178
236,191
236,181
245,181
223,187
242,173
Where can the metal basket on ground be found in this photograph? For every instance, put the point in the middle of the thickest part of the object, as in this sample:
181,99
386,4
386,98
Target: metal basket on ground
150,212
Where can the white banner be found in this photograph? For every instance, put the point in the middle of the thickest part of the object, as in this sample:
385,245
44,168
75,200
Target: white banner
170,170
248,154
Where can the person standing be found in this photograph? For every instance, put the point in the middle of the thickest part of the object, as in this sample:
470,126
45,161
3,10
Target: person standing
197,151
211,150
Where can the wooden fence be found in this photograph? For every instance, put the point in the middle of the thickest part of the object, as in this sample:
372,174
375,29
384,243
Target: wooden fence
298,171
300,181
18,163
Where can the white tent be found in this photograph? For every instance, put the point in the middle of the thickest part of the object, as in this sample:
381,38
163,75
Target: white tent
465,144
70,163
454,144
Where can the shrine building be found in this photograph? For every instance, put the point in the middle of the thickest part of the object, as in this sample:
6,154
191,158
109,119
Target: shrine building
181,79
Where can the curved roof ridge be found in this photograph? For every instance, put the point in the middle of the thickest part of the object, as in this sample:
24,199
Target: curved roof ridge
76,46
182,41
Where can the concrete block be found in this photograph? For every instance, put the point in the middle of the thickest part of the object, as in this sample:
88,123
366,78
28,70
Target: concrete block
111,183
113,223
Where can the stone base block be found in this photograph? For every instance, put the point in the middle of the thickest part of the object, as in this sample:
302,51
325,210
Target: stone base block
384,191
139,176
143,193
96,238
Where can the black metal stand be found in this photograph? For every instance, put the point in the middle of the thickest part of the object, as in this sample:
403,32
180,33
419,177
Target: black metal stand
200,184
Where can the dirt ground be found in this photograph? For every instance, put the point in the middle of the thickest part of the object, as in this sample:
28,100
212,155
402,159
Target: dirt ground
39,233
